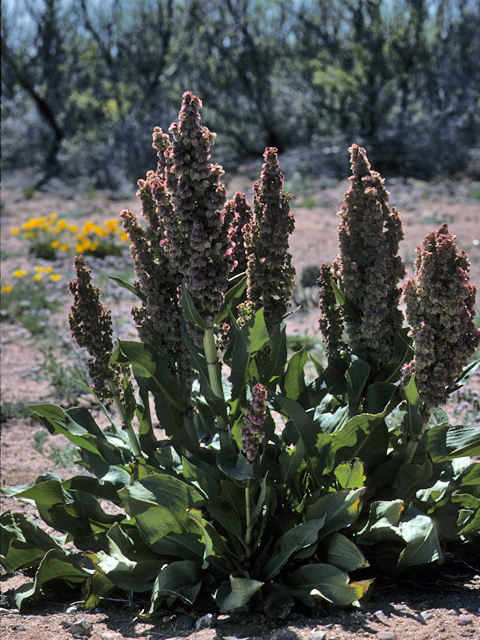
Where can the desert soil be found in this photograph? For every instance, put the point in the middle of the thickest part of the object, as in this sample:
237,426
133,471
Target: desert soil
416,608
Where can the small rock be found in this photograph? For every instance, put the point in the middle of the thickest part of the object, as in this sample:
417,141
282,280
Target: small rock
18,627
360,631
318,634
207,621
183,623
464,620
386,635
381,617
72,609
424,616
80,629
166,619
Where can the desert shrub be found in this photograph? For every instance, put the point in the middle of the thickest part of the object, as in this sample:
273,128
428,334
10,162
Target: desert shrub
264,488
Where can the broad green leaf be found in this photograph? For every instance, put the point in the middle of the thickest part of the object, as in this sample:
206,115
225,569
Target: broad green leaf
350,474
343,553
245,343
291,460
338,510
413,420
419,532
403,352
382,522
275,365
204,476
412,477
348,442
160,503
46,494
380,395
294,380
356,376
302,421
130,287
150,371
189,310
237,467
57,567
231,299
236,593
228,509
129,563
463,441
22,543
296,539
465,376
328,582
176,580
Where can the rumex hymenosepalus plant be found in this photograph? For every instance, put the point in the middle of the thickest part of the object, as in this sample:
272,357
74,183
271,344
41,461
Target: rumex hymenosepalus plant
235,483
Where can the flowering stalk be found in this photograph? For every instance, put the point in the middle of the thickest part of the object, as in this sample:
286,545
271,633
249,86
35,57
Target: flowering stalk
271,275
190,199
197,236
252,433
330,320
440,310
91,325
368,266
158,320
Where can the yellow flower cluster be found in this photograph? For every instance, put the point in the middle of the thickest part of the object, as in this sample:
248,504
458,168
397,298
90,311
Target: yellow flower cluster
38,274
49,234
91,235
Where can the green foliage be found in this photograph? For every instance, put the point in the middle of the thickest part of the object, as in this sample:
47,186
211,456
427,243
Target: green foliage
348,471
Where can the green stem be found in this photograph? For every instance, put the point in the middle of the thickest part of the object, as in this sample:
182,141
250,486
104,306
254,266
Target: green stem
215,378
412,445
248,517
132,436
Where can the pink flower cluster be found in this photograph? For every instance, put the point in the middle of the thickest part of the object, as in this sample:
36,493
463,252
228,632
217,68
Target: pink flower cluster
440,310
252,431
368,267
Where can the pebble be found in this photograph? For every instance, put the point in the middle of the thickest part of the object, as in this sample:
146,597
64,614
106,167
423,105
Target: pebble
207,621
72,609
386,635
424,616
380,616
80,629
183,623
464,620
318,634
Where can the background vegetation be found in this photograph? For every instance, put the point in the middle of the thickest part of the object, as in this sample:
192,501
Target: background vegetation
85,82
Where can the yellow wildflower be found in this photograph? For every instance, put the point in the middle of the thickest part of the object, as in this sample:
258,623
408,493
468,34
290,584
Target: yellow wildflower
123,236
55,244
64,247
38,276
19,273
55,277
111,225
6,288
44,269
88,227
15,231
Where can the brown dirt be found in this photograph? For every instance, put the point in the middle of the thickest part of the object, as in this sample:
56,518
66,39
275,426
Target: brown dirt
450,606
